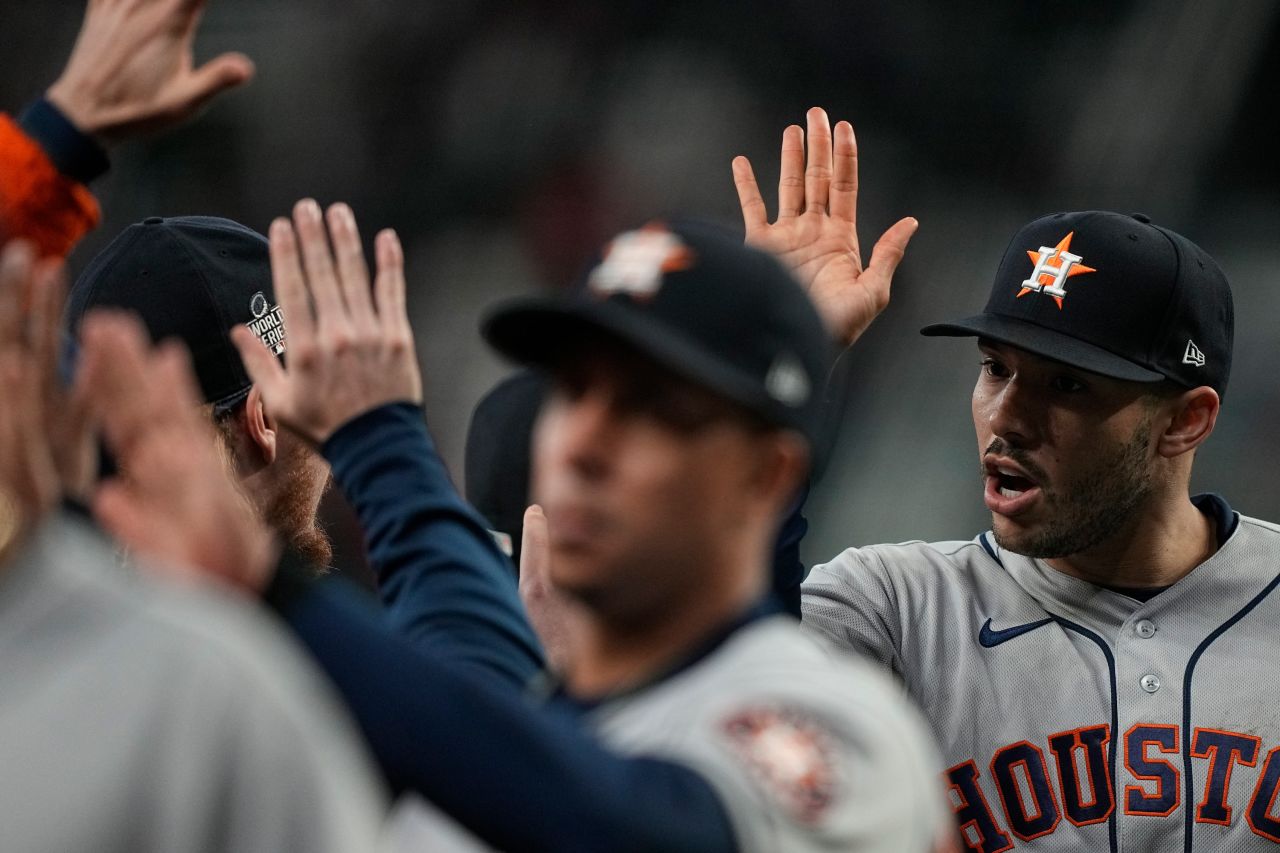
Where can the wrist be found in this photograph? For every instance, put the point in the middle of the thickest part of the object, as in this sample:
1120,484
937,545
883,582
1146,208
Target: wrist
78,110
73,152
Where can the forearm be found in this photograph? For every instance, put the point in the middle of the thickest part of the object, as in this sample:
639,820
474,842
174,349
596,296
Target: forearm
520,777
446,586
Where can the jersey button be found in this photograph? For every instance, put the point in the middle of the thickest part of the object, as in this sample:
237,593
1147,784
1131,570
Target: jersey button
1150,683
1146,629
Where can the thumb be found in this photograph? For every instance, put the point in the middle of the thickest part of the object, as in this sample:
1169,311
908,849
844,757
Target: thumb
535,548
214,77
892,245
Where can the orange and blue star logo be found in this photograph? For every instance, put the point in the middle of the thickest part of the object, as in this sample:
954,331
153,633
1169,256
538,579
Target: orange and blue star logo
1053,266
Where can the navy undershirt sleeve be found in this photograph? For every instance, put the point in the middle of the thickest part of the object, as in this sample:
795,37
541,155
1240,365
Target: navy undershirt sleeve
447,587
76,155
788,568
518,775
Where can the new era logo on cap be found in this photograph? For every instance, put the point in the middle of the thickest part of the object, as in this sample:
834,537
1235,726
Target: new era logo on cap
787,381
1193,355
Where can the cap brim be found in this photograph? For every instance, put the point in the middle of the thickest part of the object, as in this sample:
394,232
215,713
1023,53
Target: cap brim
537,331
1045,342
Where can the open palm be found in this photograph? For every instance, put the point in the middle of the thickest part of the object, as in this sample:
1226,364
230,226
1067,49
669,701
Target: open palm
815,234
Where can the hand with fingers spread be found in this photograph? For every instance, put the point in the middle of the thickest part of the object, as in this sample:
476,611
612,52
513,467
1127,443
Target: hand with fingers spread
349,346
175,500
29,483
131,69
815,234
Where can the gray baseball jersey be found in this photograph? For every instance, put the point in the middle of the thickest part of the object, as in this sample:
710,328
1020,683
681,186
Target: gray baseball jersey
136,716
809,749
1072,717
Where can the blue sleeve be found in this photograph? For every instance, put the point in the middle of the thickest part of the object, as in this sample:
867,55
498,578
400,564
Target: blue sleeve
446,586
788,568
519,776
76,155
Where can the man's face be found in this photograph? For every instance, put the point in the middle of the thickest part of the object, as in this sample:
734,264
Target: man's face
641,474
1067,456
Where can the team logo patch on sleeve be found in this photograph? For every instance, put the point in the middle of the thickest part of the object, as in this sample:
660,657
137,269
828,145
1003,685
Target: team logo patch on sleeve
791,754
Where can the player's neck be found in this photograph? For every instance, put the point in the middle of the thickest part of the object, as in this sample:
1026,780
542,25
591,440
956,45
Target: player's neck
614,657
1161,547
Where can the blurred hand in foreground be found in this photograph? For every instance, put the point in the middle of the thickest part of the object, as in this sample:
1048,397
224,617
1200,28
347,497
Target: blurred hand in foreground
815,234
175,500
30,302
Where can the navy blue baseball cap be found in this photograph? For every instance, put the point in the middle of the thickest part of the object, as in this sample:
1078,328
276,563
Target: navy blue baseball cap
693,298
1112,294
193,278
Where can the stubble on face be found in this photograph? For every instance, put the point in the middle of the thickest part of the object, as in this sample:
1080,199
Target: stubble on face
292,512
1095,502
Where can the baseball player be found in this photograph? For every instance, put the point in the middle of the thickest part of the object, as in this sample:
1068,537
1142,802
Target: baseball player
1096,666
696,718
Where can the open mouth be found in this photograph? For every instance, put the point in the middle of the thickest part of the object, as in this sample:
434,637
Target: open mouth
1009,491
1011,485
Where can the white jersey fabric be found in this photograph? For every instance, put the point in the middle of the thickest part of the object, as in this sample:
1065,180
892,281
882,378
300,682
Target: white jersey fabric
808,749
1072,717
140,717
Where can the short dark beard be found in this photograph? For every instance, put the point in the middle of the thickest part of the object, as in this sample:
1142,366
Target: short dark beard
292,511
1090,508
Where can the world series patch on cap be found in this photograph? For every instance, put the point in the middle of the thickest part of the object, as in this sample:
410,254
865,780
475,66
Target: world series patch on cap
1111,294
693,298
193,278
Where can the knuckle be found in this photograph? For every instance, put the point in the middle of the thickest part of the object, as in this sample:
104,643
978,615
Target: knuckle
304,355
399,343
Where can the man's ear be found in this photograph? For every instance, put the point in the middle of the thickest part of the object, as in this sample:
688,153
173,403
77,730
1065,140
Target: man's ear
1191,418
260,428
783,466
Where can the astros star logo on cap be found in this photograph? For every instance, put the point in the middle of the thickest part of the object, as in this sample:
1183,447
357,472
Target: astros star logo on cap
1053,266
635,262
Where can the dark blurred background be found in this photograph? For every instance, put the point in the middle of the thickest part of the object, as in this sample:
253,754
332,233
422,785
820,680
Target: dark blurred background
505,140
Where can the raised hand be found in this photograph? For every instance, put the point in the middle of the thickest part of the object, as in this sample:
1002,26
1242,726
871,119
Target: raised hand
349,348
815,234
175,500
131,69
29,315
